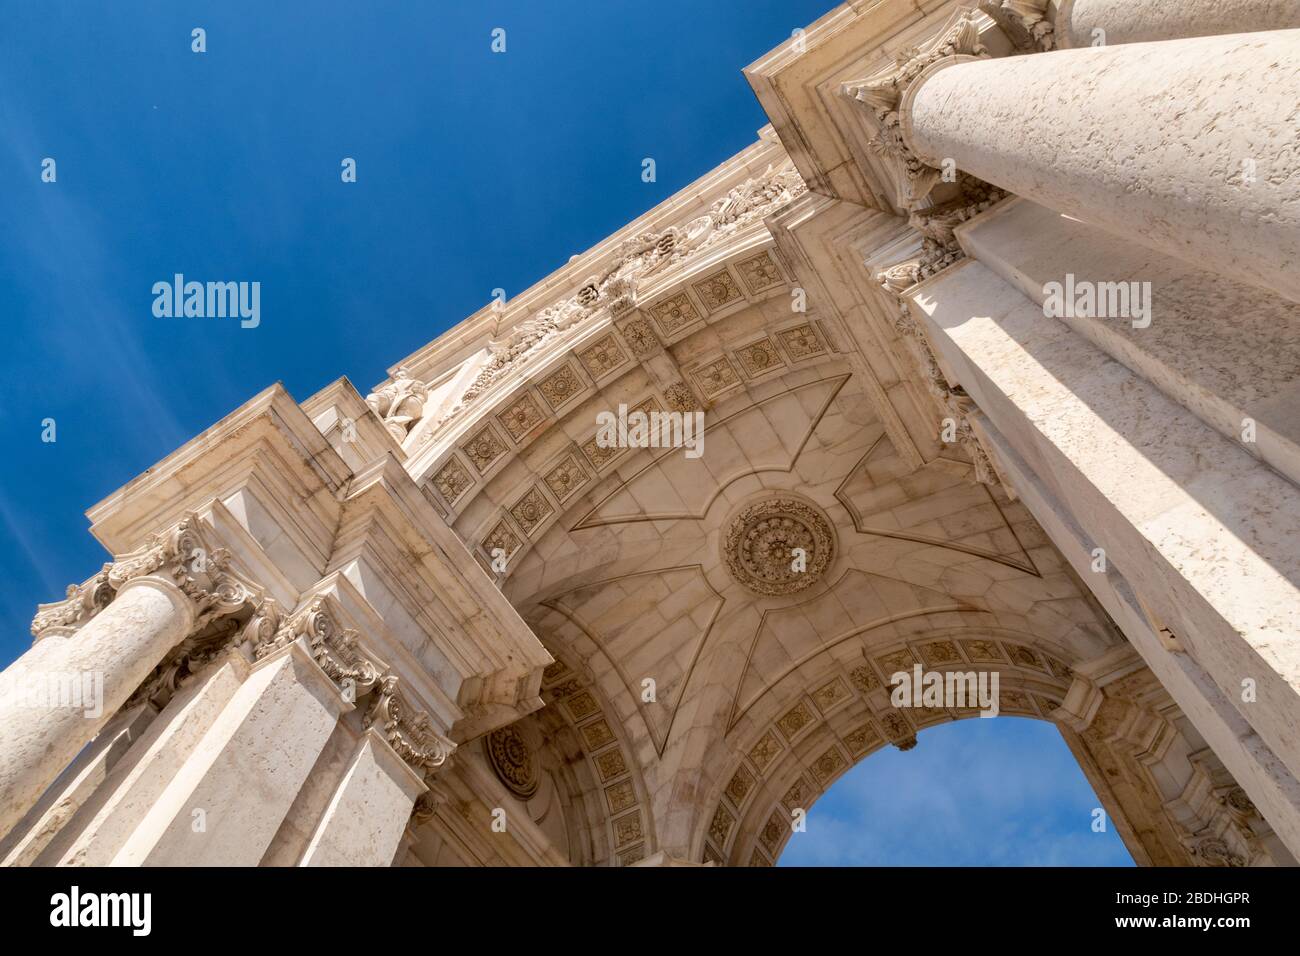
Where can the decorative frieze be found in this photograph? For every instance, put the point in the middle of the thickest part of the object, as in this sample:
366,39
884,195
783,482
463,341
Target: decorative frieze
566,478
637,258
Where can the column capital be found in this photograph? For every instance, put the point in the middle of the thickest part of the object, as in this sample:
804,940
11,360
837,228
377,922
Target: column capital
338,651
1026,23
882,98
180,557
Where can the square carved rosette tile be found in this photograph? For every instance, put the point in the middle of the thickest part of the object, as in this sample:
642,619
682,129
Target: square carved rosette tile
801,342
561,386
719,291
675,315
759,358
760,273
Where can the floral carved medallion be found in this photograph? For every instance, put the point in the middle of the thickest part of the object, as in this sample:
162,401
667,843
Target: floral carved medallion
512,759
778,545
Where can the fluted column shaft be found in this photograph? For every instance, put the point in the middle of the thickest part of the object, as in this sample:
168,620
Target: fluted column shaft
1187,146
58,695
1138,21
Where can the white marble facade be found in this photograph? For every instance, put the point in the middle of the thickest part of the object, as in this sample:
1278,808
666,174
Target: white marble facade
444,624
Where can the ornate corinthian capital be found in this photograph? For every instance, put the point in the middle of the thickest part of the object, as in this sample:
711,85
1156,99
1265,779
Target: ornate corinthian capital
881,96
408,732
180,555
339,653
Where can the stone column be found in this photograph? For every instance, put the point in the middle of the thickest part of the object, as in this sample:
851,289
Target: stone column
58,695
1137,21
1186,146
368,812
229,797
96,647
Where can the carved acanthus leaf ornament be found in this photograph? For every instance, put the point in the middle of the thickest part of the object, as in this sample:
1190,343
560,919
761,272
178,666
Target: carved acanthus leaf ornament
882,96
339,653
180,555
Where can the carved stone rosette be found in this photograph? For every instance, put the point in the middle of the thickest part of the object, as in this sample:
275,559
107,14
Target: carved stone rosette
408,732
180,555
777,546
512,760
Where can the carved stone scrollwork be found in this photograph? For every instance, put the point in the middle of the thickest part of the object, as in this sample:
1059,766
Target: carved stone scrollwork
81,604
1025,22
338,652
335,649
409,733
189,657
180,555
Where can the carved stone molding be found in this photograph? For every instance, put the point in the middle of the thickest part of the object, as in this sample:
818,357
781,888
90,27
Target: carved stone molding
613,289
180,555
198,650
410,733
338,652
779,545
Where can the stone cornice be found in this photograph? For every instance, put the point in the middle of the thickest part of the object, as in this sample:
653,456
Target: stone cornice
610,292
445,353
268,435
391,526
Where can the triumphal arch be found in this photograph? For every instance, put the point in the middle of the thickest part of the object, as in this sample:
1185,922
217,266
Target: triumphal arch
995,330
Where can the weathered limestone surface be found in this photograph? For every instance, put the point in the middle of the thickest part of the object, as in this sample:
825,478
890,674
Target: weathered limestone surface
1227,352
119,647
1195,522
1186,146
1127,21
226,802
364,821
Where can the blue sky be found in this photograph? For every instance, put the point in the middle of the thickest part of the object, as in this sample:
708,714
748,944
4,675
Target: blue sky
475,170
980,792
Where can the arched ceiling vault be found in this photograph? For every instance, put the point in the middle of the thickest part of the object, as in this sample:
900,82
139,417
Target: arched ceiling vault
663,575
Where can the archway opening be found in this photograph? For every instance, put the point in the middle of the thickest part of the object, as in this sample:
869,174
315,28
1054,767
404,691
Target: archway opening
996,792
